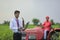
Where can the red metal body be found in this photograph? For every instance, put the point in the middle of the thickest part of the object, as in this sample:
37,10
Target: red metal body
38,32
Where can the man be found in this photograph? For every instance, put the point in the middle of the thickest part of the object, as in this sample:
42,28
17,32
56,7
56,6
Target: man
16,26
46,27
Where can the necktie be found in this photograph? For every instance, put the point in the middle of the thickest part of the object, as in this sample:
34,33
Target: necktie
17,22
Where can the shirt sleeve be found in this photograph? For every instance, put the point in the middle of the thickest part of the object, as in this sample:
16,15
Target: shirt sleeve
12,25
50,23
43,24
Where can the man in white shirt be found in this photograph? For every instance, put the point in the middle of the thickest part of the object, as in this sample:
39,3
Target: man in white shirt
16,26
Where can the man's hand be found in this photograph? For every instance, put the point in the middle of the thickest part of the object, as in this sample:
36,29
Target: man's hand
21,29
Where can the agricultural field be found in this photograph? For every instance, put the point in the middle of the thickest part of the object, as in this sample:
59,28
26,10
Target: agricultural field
7,34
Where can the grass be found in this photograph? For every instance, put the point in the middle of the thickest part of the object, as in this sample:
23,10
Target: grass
7,34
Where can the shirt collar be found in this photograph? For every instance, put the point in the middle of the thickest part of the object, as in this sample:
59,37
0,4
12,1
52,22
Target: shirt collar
16,19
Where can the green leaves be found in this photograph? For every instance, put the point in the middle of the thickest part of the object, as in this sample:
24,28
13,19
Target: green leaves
5,33
35,21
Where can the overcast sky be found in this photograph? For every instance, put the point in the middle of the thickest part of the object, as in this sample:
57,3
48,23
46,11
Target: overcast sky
30,9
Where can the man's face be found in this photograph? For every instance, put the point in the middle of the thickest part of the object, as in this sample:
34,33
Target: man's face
47,19
17,15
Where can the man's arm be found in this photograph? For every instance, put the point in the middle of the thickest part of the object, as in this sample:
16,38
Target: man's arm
43,25
23,21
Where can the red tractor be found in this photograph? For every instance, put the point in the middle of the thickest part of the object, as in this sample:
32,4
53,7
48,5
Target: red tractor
37,33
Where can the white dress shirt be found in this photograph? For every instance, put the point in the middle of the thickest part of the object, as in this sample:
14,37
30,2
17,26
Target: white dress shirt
13,25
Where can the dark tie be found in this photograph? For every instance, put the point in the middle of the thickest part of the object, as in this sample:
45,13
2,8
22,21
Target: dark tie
17,22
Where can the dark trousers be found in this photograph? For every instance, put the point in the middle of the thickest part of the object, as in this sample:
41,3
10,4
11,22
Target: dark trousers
46,34
17,36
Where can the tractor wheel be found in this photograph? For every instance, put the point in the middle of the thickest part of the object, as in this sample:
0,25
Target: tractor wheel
55,35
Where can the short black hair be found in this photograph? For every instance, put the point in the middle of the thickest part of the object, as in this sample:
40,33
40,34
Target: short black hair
16,11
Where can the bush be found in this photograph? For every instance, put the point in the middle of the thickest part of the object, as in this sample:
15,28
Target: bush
35,21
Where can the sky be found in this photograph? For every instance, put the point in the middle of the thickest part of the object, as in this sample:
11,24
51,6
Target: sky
30,9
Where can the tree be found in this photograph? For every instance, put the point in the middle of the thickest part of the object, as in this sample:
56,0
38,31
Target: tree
6,22
52,21
35,21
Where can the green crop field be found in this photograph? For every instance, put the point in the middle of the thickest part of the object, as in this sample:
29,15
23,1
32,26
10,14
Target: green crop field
7,34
